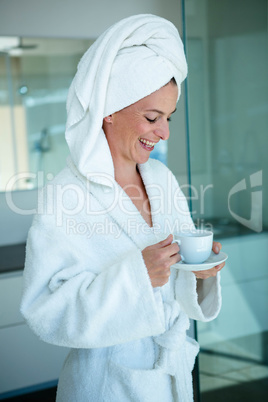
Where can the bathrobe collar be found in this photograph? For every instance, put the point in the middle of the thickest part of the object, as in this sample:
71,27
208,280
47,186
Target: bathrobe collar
112,200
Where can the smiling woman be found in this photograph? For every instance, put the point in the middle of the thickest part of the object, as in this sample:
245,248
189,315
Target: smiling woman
112,296
139,127
132,134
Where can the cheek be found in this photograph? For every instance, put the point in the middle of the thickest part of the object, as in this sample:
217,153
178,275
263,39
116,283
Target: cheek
134,132
142,128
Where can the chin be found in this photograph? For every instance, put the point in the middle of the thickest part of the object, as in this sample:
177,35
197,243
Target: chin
141,157
142,160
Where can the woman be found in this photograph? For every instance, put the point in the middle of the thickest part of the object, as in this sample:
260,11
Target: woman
98,272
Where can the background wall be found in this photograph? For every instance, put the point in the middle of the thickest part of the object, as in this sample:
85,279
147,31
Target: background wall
81,18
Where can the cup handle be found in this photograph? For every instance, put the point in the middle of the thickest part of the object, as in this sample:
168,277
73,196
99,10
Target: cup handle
179,243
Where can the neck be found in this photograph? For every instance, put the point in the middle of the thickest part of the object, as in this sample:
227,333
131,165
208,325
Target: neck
125,172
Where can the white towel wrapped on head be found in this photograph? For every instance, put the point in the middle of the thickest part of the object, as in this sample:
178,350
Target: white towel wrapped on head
128,62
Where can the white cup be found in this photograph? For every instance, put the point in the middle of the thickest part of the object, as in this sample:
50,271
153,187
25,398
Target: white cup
195,246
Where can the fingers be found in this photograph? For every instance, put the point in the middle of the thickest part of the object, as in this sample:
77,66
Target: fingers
216,247
167,256
159,276
172,249
174,259
208,273
164,242
212,272
158,259
164,249
219,267
160,280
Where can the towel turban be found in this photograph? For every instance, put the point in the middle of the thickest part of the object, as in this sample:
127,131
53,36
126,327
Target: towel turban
132,59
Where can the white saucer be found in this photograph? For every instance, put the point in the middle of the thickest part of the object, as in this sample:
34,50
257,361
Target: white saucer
212,261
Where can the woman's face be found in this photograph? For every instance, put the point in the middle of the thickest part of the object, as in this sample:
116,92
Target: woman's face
132,132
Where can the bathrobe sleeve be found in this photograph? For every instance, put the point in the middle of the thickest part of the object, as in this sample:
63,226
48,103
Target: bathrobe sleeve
200,299
72,304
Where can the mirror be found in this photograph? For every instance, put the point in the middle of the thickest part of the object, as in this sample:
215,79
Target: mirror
35,75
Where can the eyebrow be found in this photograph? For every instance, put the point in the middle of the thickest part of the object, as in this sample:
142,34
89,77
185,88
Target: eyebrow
159,111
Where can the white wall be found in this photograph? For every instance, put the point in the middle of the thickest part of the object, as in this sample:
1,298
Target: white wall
81,18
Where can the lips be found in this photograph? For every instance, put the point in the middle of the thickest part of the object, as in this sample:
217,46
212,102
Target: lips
149,145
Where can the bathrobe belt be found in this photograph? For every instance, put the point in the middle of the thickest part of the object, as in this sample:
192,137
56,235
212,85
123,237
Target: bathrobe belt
177,353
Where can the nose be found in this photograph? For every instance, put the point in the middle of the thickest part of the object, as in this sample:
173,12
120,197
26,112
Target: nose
162,131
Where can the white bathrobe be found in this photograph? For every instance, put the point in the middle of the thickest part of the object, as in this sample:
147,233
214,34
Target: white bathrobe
86,285
87,288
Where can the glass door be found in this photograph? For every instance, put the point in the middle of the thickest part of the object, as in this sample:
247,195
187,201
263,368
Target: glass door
35,75
9,161
227,90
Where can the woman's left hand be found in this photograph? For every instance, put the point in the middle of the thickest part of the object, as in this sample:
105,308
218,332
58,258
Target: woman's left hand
216,247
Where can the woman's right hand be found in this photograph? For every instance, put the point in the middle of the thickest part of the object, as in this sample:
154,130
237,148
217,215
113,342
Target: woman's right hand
158,259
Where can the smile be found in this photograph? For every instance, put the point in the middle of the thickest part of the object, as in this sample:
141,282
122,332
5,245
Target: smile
147,143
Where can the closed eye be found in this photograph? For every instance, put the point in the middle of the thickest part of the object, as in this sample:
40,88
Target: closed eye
151,120
154,120
160,113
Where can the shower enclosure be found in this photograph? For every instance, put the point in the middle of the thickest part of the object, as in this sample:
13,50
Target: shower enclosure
227,132
34,81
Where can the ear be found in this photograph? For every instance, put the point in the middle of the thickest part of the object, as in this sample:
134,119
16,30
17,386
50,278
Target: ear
108,119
